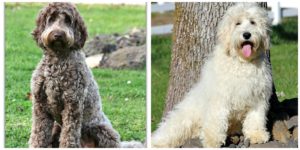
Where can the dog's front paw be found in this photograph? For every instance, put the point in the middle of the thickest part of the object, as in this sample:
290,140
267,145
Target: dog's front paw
258,136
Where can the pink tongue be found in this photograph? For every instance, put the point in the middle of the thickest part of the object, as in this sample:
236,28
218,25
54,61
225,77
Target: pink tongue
246,50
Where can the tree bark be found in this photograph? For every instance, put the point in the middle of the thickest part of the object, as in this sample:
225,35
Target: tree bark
193,39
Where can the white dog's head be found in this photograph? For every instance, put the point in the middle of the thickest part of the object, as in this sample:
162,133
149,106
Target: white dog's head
244,31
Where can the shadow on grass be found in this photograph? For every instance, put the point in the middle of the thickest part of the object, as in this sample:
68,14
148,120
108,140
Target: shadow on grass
284,35
287,31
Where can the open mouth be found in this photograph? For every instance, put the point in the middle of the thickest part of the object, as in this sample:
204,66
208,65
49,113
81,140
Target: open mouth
247,47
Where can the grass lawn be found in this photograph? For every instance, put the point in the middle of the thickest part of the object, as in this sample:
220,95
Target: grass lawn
161,57
284,54
124,104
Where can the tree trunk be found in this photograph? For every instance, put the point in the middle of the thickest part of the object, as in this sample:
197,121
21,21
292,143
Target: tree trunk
193,39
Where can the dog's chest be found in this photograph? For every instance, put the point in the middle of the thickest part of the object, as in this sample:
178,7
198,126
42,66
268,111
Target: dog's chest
57,79
244,84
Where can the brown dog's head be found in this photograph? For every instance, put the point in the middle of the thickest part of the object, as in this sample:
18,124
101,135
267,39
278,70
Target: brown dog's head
59,27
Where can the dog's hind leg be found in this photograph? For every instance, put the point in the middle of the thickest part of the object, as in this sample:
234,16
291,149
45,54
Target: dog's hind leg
180,125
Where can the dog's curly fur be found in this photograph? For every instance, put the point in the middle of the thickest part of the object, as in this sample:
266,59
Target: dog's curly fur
62,85
235,86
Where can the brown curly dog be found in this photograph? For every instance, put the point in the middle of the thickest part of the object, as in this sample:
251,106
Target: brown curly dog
63,87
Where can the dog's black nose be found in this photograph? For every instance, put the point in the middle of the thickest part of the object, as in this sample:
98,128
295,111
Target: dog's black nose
58,34
247,35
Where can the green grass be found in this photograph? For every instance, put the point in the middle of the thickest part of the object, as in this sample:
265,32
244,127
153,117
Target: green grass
21,56
161,57
284,54
284,57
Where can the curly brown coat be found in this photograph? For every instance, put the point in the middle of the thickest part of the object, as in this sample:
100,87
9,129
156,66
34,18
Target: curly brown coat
62,85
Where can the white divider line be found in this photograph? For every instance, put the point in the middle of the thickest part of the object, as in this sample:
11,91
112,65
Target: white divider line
148,75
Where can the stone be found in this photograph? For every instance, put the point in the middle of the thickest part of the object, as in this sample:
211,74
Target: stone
280,131
295,134
292,143
247,143
100,44
271,144
241,142
192,143
133,57
94,61
292,122
232,146
234,139
109,43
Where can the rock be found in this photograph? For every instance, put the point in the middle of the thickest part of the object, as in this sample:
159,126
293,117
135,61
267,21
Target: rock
110,43
130,57
192,143
292,122
271,144
101,50
94,61
247,143
242,138
295,134
241,142
135,37
292,143
280,131
100,44
232,146
234,140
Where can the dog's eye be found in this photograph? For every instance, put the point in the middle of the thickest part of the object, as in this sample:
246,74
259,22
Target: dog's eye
51,19
67,20
252,22
238,23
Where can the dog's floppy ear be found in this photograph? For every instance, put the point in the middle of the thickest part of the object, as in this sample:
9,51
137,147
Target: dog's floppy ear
266,42
80,31
265,27
224,29
40,26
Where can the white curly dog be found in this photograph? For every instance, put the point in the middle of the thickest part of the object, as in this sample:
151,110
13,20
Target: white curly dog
235,86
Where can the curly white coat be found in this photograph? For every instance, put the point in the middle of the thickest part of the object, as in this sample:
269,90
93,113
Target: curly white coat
233,90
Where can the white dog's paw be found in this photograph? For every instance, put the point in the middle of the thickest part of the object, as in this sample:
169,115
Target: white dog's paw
258,136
